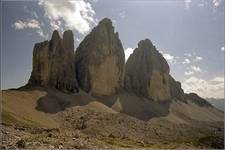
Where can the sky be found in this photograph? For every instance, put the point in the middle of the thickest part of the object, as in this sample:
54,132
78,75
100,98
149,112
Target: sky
189,34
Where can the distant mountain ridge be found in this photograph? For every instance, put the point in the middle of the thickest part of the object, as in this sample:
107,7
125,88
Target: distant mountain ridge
217,102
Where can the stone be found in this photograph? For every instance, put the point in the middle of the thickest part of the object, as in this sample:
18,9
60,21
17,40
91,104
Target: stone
21,144
53,63
147,72
100,61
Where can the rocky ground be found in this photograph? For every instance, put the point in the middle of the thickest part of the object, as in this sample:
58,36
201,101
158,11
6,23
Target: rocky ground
87,129
49,119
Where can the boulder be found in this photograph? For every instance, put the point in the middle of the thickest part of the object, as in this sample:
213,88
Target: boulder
53,63
100,60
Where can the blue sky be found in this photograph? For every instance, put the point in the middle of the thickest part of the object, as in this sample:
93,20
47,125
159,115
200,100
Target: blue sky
189,34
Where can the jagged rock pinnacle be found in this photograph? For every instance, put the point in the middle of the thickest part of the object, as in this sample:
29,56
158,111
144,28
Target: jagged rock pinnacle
53,63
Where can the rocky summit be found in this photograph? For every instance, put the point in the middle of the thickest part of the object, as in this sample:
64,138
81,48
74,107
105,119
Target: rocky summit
53,63
147,74
100,60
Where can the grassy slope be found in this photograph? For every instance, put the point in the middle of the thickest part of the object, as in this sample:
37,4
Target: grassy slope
19,106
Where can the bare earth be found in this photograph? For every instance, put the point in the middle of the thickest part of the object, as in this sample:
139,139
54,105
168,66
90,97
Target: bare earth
46,118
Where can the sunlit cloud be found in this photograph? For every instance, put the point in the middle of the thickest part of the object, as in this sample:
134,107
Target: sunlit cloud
186,61
122,14
216,3
128,52
198,58
76,15
168,57
205,88
187,4
196,68
29,24
187,73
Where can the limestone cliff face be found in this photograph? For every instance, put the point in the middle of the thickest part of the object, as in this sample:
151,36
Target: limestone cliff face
53,63
100,60
147,74
175,89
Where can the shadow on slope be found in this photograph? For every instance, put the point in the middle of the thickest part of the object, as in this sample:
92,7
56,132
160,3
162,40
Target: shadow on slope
55,101
132,105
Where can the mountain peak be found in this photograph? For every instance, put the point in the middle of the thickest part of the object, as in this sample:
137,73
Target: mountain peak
68,33
55,36
106,22
105,25
68,41
147,66
146,43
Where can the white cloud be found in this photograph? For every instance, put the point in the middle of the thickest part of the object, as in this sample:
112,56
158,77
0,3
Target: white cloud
19,25
198,58
30,23
192,57
40,32
187,73
187,54
78,40
186,61
196,68
222,48
187,3
205,88
217,79
76,15
168,56
216,3
128,52
122,14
